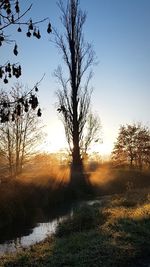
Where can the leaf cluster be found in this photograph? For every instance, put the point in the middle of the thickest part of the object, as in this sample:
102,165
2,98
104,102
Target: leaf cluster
10,109
11,15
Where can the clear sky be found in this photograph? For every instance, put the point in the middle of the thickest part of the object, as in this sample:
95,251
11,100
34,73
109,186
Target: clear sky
120,33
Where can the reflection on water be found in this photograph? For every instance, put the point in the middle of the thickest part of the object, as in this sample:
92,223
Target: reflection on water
38,233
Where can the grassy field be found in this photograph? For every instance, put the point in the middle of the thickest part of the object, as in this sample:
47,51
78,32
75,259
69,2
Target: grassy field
46,190
114,231
38,191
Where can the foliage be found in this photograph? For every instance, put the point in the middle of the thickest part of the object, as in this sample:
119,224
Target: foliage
132,146
33,192
12,15
84,218
123,239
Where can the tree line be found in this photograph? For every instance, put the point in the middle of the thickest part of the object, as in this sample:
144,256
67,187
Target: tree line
132,146
19,110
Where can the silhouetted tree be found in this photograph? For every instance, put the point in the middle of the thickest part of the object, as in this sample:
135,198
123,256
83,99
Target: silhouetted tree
132,146
74,95
21,130
12,16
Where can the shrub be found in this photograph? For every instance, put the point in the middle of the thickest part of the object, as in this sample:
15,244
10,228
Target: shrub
83,218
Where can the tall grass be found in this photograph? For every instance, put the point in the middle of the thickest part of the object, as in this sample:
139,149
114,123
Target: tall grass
108,235
109,180
23,198
44,188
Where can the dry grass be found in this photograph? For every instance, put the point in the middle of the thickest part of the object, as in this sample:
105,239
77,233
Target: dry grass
122,238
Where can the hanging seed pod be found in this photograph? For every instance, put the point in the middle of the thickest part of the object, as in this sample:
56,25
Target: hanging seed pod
49,28
18,110
5,80
28,34
7,117
21,100
8,10
36,89
15,50
39,113
19,29
3,118
17,7
1,73
5,104
9,75
19,70
8,67
5,6
12,18
13,70
34,102
7,2
17,75
13,117
31,25
1,38
30,101
26,106
38,35
34,32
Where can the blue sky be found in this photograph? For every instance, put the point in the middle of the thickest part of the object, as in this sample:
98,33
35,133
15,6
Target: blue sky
120,33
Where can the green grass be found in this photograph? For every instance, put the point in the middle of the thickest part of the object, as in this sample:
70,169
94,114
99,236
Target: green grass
115,234
21,202
24,198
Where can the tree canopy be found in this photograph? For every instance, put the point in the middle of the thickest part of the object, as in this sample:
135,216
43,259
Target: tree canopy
74,94
132,146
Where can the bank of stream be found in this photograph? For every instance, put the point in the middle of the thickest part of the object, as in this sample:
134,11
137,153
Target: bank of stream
18,237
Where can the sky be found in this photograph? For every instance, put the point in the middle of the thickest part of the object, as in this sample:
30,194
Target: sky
119,31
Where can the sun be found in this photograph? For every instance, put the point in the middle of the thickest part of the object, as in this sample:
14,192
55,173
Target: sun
55,138
55,141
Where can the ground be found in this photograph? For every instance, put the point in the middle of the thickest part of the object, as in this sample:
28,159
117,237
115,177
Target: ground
115,231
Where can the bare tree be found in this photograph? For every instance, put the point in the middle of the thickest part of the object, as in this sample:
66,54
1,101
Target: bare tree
20,133
74,95
92,133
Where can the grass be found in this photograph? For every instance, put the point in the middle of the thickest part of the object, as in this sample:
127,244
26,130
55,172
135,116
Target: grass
114,232
108,180
38,191
44,190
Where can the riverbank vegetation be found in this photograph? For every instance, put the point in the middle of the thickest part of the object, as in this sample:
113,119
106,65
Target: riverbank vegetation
113,231
46,191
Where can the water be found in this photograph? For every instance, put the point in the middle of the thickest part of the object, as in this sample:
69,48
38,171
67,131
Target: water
37,234
30,236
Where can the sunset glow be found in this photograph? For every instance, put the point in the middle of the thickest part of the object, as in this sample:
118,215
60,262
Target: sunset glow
75,133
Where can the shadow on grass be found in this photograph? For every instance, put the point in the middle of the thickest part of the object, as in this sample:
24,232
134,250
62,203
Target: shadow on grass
24,203
124,242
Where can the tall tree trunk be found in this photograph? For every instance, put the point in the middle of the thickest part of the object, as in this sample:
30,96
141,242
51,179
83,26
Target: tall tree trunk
74,99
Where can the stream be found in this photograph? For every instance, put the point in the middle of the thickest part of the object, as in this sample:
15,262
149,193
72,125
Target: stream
33,235
29,236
